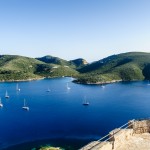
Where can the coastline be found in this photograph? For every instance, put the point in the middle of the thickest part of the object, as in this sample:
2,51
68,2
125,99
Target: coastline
98,83
23,80
33,79
75,80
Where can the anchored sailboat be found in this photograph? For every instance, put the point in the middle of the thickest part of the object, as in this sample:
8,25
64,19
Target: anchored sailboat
1,105
68,88
17,87
103,86
48,90
6,94
24,106
85,102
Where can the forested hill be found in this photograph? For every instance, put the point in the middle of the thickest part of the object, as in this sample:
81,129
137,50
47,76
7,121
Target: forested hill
56,60
125,66
122,67
14,67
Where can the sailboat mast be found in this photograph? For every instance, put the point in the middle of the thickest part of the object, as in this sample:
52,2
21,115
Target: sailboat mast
85,99
24,103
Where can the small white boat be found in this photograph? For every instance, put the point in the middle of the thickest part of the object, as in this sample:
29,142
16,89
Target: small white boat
1,105
24,106
85,102
68,88
17,87
6,95
103,86
48,90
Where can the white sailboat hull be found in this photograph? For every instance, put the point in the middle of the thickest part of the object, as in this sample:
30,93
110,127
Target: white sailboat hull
25,108
6,95
85,104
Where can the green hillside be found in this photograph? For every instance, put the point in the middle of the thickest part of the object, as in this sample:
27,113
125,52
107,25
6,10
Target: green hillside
53,60
126,67
13,67
121,67
77,63
51,70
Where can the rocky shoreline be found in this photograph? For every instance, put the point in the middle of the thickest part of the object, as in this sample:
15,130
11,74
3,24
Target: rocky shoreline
50,148
97,83
75,81
22,80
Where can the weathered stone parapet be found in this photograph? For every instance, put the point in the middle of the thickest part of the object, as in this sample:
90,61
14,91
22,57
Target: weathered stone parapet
130,124
120,136
141,126
134,135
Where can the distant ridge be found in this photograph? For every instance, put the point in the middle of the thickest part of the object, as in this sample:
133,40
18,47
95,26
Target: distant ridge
122,67
56,60
79,62
53,60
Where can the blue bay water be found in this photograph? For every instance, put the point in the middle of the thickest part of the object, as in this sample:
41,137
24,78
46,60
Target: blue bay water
59,114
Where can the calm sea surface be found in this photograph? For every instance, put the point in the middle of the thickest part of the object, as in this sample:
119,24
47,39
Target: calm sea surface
59,118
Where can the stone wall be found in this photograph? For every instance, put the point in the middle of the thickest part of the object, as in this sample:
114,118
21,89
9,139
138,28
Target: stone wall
141,126
120,137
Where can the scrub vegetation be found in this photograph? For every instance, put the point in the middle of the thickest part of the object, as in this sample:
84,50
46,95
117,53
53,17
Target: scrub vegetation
122,67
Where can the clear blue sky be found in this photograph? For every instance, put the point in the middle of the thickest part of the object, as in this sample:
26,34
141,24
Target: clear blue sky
91,29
